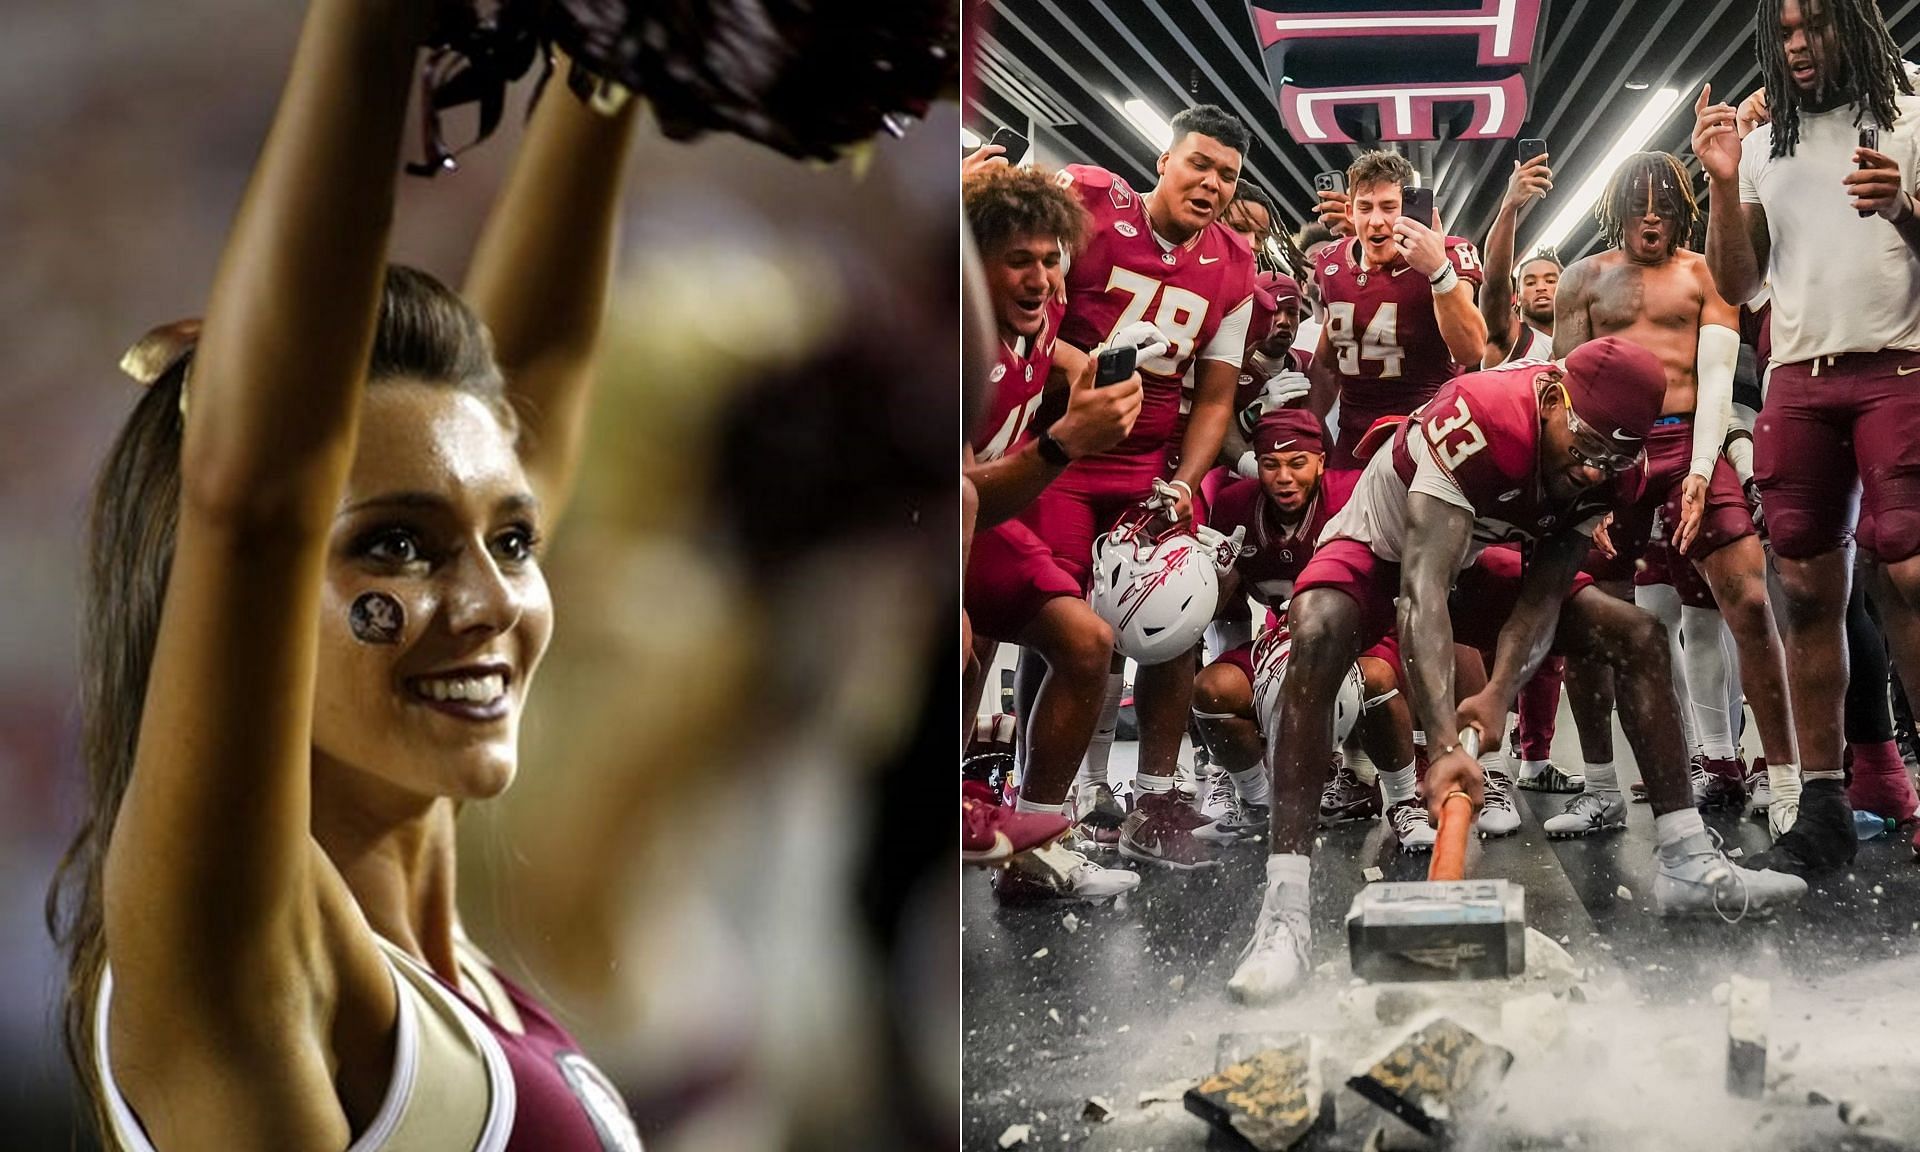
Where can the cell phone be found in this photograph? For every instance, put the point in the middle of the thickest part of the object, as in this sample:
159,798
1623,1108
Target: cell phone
1417,204
1528,149
1869,138
1014,143
1330,182
1115,364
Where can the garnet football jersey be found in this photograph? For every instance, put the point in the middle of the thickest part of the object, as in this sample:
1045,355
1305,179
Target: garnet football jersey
1481,434
1267,573
1016,384
1381,332
1188,291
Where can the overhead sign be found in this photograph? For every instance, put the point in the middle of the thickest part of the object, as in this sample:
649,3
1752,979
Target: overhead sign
1406,110
1490,86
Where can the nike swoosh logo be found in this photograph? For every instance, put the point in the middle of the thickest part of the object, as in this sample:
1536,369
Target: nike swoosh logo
1624,435
1905,371
1401,269
1209,259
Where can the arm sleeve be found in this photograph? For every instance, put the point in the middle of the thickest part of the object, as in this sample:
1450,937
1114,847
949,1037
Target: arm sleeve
1740,447
1429,477
1229,341
1714,362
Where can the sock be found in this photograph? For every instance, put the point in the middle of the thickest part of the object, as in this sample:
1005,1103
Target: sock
1878,759
1532,768
1602,778
1361,764
1707,682
1398,785
1736,694
1678,835
1153,785
1093,766
1251,784
1663,600
1025,805
1806,777
1494,760
1288,878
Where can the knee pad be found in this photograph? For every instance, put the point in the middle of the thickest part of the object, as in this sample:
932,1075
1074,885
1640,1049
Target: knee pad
1896,534
1799,534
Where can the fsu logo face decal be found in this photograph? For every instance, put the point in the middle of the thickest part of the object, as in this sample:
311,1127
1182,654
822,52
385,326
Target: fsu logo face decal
377,618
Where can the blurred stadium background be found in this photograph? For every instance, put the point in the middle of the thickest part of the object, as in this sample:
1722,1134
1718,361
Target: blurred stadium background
708,861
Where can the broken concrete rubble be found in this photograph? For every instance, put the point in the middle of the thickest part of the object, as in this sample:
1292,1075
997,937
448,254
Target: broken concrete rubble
1271,1099
1433,1075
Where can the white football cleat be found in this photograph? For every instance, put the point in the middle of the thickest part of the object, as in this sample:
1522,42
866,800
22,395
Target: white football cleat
1276,960
1590,812
1707,883
1498,817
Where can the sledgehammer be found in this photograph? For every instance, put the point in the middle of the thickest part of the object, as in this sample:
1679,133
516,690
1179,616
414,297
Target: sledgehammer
1445,927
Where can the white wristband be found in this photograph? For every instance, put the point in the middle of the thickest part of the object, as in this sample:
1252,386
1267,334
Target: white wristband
1446,281
1183,484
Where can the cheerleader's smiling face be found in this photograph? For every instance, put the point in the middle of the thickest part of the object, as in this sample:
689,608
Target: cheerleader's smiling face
434,612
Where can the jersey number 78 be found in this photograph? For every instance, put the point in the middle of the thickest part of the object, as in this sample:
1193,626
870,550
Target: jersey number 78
1179,317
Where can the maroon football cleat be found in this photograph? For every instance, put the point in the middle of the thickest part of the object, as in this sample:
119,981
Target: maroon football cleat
993,833
1160,831
1726,785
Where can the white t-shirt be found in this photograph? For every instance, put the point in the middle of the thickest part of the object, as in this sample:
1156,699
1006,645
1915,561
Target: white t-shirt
1229,341
1307,336
1533,344
1376,513
1841,282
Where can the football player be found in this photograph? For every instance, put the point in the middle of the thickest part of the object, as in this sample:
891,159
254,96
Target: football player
1164,258
1025,225
1532,455
1649,289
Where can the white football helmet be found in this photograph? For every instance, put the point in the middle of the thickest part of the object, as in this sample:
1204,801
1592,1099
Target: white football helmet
1270,656
1155,585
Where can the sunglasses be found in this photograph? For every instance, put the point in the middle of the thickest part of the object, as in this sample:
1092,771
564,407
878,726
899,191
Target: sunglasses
1611,463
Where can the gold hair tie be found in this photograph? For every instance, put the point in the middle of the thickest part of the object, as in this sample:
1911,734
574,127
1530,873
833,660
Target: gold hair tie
155,354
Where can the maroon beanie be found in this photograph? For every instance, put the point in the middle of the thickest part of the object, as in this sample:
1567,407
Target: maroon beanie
1289,430
1273,287
1616,388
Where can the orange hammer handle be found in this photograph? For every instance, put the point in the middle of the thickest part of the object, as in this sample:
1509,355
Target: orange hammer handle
1450,842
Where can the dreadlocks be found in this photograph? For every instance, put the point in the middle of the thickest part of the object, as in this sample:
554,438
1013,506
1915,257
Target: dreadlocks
1865,68
1240,221
1656,175
1238,217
